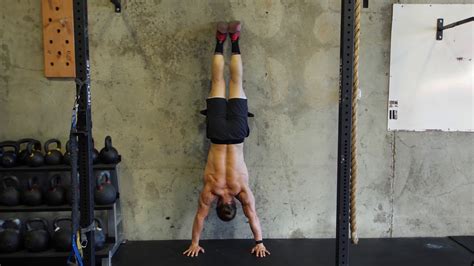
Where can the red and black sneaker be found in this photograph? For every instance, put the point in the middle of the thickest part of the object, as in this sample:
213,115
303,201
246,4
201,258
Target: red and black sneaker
221,33
234,30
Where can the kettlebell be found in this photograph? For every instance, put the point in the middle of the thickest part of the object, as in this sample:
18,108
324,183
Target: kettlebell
10,238
99,235
23,154
62,234
36,239
53,156
108,154
95,153
69,195
9,157
55,194
32,195
10,195
67,154
105,193
35,156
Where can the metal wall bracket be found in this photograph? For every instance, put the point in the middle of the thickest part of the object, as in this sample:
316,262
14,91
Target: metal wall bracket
440,26
118,5
365,4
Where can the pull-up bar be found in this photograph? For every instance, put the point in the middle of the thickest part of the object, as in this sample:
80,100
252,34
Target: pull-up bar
440,27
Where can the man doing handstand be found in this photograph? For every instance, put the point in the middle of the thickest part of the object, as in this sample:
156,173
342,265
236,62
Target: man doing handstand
226,176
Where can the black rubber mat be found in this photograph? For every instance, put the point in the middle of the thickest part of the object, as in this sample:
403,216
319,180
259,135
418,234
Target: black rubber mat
299,252
465,241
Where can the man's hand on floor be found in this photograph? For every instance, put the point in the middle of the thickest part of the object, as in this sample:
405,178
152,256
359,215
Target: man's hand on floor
260,251
193,250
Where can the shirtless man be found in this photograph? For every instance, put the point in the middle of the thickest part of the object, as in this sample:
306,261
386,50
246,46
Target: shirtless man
226,175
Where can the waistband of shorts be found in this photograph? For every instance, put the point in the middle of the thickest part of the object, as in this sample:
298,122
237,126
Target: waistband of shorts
227,141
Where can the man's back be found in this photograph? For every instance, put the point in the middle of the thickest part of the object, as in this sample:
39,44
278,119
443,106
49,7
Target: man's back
226,171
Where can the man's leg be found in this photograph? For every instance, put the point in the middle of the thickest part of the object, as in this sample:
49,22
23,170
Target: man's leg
236,89
237,109
218,82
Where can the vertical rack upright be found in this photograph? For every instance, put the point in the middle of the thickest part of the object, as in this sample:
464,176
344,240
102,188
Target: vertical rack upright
344,131
84,125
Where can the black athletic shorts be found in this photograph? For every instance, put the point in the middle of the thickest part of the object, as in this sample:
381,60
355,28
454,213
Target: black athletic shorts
227,121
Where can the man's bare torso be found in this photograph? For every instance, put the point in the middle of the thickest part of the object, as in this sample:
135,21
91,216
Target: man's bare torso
226,173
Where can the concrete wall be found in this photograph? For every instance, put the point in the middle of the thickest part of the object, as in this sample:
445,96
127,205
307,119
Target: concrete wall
150,76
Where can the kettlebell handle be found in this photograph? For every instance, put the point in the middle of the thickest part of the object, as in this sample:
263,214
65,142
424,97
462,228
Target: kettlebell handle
10,143
68,146
32,181
51,141
33,145
108,142
100,180
55,181
15,221
15,180
98,223
36,220
60,219
27,140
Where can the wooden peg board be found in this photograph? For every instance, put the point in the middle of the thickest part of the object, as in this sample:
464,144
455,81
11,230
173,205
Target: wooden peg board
58,38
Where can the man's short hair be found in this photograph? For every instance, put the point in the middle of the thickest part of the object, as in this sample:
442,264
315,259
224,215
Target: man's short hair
226,211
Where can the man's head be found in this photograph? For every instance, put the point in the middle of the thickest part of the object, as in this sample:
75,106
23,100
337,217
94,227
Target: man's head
226,210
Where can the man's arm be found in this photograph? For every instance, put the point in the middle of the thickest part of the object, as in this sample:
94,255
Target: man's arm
205,200
248,205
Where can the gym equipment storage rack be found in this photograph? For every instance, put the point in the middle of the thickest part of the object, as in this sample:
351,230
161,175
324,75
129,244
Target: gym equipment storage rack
113,223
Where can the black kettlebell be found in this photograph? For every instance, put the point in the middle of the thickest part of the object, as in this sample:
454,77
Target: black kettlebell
36,239
23,154
105,193
99,234
69,195
32,195
55,194
53,156
9,157
35,156
109,154
62,234
10,194
67,154
95,153
10,235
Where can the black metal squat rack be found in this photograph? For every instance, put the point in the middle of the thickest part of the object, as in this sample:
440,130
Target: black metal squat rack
344,132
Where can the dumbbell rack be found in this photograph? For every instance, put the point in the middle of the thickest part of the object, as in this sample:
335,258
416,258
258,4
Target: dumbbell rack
113,224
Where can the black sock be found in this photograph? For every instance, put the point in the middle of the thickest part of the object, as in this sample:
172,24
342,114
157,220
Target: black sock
219,47
235,47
